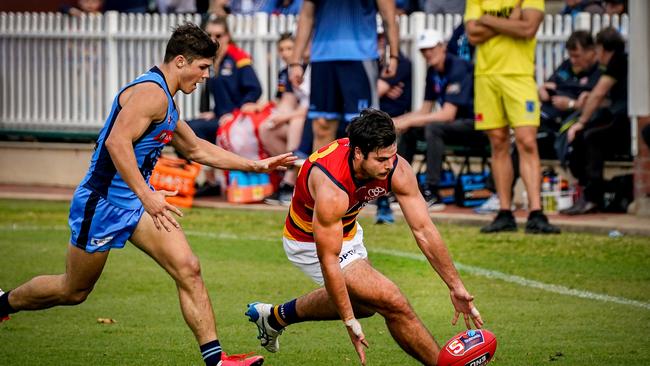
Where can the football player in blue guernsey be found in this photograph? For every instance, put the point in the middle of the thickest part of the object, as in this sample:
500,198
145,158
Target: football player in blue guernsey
323,239
115,202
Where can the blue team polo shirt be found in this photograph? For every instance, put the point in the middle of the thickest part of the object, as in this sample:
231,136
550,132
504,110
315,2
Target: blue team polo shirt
344,30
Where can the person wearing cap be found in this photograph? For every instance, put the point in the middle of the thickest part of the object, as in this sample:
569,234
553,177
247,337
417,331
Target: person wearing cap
450,83
505,97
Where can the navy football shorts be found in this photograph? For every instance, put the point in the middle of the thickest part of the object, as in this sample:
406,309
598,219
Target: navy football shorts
341,89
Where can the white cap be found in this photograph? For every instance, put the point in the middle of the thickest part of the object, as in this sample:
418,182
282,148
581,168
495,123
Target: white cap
429,38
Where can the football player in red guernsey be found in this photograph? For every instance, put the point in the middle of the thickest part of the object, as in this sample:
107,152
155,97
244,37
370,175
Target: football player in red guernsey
323,238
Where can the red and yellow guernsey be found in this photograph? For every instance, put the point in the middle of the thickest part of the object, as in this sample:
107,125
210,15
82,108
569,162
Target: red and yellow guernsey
335,160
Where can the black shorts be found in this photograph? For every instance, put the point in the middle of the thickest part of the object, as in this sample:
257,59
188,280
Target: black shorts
341,89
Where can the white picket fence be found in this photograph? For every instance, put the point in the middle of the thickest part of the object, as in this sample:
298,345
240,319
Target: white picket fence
60,73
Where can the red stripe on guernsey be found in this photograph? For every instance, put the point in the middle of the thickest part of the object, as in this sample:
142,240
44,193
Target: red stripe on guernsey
240,56
336,162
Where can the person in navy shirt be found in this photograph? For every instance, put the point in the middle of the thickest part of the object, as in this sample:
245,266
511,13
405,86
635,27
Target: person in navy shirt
450,82
115,201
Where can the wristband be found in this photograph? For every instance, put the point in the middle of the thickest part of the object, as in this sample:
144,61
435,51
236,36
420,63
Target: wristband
355,326
294,64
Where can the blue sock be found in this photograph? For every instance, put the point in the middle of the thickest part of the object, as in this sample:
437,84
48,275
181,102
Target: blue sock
211,353
283,315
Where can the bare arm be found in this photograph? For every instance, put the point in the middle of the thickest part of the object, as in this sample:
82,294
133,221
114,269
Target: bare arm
387,10
141,105
425,108
382,87
429,240
524,27
478,33
206,153
596,97
331,204
425,116
303,35
593,101
445,114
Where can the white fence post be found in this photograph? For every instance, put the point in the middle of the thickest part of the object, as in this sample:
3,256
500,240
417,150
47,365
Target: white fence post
419,71
582,22
111,71
260,57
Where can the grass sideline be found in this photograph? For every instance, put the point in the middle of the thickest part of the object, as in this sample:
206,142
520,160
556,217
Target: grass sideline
242,260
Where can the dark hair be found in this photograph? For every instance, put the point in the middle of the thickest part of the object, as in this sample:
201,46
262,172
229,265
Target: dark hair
286,36
610,39
190,41
371,130
217,20
580,38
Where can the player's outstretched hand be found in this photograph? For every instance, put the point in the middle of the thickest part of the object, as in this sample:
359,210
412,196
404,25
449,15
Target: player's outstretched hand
159,209
278,162
358,339
462,301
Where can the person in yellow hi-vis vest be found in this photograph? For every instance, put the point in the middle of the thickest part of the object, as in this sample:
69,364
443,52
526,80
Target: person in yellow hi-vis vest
505,97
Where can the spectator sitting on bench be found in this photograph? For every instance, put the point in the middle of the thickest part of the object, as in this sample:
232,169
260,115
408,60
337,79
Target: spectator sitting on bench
560,94
283,130
234,86
450,83
603,129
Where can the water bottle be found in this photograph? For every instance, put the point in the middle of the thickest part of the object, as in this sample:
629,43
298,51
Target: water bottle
615,234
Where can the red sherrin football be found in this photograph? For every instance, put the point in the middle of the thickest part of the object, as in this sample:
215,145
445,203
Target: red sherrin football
474,347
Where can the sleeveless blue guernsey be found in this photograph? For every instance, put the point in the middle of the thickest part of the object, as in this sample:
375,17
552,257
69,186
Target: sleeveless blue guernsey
344,30
102,177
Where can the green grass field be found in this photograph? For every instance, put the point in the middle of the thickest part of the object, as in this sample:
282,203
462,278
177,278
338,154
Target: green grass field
242,260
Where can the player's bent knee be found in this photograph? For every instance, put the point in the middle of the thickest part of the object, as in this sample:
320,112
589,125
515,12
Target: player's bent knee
75,297
394,303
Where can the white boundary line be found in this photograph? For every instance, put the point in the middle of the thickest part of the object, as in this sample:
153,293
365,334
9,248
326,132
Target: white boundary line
558,289
478,271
